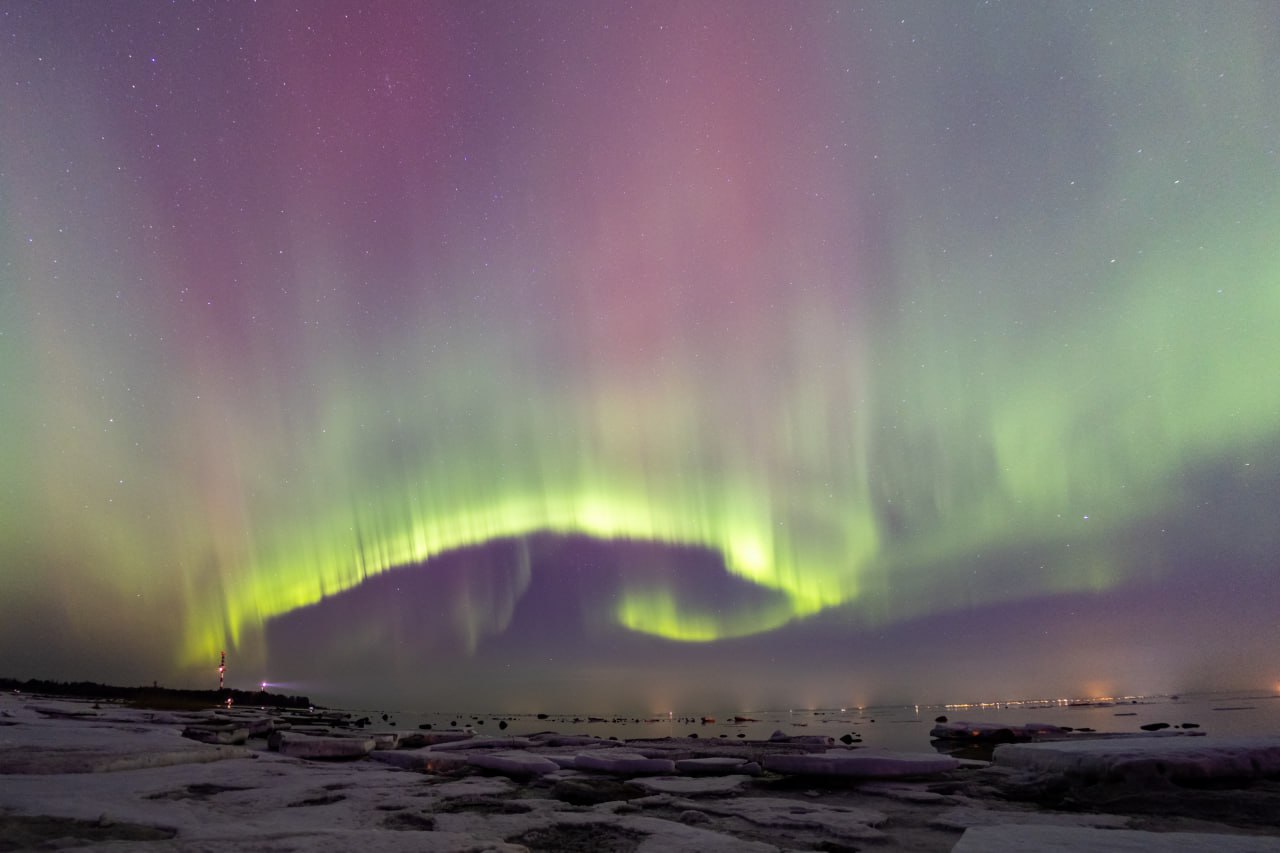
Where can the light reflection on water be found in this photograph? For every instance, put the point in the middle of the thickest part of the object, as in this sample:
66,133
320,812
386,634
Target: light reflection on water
896,727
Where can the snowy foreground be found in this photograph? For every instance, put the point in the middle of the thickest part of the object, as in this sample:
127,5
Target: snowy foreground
78,776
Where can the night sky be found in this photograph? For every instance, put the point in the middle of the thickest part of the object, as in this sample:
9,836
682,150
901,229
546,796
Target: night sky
638,355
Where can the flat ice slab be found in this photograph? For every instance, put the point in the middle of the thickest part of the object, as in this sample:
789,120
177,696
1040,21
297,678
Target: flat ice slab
860,763
1019,838
623,763
320,748
516,762
691,785
1176,759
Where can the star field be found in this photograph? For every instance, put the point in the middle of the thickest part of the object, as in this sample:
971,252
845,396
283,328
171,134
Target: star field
833,319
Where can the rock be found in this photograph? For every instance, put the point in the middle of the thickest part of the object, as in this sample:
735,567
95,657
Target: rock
860,764
1153,727
1190,726
502,724
846,739
623,763
313,747
518,763
941,719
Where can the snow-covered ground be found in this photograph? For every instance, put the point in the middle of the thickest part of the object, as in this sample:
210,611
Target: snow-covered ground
77,776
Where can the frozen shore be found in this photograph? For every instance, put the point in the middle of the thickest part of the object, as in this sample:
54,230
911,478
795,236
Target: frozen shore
78,775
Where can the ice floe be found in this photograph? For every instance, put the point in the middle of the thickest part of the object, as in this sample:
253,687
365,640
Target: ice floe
860,763
1178,759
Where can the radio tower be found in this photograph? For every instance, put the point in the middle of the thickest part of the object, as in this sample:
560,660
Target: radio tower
222,672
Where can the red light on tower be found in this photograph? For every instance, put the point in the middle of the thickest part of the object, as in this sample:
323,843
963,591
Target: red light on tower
222,671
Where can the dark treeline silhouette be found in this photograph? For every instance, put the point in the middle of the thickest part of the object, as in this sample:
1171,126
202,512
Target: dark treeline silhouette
154,696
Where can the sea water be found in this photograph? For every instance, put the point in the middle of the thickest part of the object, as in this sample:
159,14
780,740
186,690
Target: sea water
899,727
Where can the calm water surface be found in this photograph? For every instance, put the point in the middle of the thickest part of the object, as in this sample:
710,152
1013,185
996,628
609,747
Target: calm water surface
896,727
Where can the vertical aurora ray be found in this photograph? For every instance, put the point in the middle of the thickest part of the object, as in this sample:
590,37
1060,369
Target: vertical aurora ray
855,300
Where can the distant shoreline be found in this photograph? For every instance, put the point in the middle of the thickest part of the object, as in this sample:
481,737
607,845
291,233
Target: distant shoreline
155,696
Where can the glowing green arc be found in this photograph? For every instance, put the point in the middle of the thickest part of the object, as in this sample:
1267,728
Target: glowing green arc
344,558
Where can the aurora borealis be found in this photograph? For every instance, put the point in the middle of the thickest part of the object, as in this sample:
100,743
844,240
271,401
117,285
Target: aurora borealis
366,330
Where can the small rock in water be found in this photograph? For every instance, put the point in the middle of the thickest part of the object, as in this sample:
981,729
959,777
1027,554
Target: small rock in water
846,739
940,719
502,724
1153,727
426,726
1190,725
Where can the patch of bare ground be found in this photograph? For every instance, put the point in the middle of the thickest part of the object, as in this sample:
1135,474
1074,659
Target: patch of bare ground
27,832
579,838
